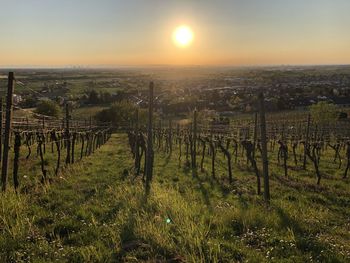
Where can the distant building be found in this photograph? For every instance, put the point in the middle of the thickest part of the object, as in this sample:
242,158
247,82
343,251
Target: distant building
17,99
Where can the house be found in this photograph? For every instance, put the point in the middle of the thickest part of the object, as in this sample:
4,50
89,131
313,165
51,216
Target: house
17,99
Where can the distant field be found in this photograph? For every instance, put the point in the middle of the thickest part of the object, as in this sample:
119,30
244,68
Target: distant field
78,113
86,112
78,81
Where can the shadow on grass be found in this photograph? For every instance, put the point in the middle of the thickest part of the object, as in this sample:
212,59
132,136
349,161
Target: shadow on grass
319,251
288,222
203,191
140,248
305,241
299,185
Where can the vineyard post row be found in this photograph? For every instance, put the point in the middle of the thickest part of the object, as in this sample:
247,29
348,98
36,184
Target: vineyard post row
9,101
307,139
138,142
38,134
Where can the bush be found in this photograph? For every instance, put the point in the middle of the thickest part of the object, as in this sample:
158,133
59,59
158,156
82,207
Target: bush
121,113
324,112
29,102
342,115
93,97
49,108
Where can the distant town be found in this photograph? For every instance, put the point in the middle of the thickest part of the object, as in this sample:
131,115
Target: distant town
228,91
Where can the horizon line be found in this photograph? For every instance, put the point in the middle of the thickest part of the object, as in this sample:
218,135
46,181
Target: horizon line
97,66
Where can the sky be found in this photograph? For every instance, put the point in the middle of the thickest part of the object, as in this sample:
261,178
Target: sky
58,33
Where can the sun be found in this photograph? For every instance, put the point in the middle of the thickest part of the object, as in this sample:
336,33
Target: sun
183,36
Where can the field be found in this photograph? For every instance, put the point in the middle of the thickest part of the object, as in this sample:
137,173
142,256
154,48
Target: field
95,211
72,82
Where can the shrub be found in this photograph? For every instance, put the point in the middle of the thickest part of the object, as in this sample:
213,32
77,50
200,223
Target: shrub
121,113
323,112
93,97
48,107
29,102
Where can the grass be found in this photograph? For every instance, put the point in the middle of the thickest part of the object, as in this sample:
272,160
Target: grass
82,112
95,211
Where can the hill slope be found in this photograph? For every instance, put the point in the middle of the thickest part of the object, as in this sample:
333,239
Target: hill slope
96,212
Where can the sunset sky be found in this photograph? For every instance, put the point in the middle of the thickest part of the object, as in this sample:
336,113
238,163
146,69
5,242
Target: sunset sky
139,32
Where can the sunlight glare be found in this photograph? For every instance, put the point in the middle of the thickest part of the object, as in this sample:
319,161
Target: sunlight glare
183,36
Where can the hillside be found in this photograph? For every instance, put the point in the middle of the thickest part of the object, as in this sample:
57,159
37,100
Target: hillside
96,212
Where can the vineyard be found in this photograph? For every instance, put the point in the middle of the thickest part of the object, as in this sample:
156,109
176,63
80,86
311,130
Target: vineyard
249,190
52,141
292,144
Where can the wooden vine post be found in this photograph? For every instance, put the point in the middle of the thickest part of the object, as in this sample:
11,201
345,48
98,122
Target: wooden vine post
16,159
255,133
213,154
228,156
194,153
82,137
73,146
67,137
1,113
149,155
8,124
136,149
159,133
170,137
249,147
348,160
55,139
42,161
264,155
306,143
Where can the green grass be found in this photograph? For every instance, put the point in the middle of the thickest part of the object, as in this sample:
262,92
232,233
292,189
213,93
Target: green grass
90,111
95,211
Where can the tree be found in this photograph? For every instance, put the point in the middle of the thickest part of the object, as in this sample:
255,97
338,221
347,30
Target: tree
204,117
49,108
323,112
93,97
121,113
105,97
29,102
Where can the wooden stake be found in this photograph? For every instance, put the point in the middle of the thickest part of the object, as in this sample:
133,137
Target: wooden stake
137,152
264,149
170,137
73,146
194,157
8,124
255,133
149,162
1,126
306,143
17,147
67,133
